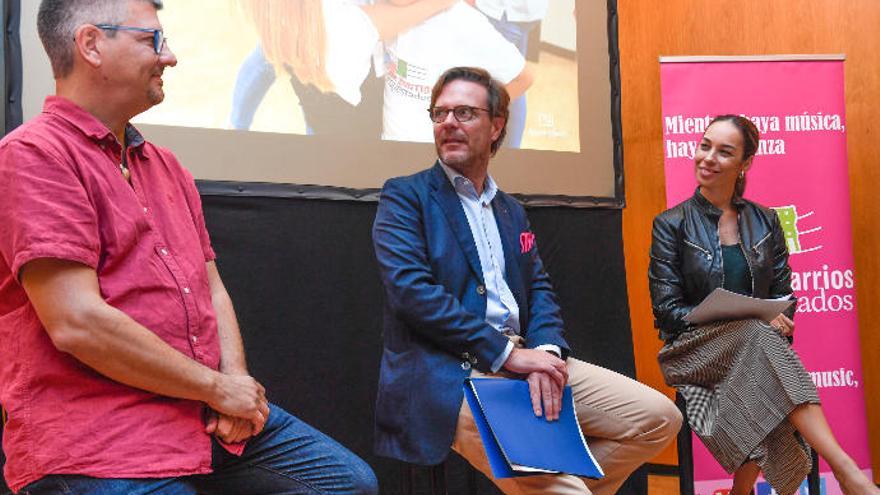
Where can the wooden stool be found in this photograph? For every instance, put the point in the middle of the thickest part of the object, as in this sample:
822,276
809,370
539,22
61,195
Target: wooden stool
437,476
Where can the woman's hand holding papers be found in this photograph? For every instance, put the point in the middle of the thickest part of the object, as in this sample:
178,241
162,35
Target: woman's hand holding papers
783,324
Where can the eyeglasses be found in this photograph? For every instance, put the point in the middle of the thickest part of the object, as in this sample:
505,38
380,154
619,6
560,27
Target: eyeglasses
462,113
159,38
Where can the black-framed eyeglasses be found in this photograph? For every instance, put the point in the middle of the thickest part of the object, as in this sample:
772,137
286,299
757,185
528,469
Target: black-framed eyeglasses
159,38
462,113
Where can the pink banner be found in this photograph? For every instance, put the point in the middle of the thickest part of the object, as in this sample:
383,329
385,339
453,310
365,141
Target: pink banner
801,171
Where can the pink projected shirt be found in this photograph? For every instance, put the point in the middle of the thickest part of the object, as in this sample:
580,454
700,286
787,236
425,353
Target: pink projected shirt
62,195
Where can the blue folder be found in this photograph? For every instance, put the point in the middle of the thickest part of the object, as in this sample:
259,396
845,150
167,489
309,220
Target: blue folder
517,442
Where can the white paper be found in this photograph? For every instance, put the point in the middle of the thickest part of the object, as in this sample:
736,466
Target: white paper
722,305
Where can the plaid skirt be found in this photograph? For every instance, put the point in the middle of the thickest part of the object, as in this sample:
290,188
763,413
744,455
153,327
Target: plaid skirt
741,379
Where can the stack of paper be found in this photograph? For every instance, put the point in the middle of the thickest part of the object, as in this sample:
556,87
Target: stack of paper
723,305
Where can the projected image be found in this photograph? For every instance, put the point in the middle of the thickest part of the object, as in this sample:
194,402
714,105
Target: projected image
364,69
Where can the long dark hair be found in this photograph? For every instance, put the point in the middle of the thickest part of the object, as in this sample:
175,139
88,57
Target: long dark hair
751,138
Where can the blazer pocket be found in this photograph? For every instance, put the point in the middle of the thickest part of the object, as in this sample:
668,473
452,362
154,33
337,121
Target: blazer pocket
395,390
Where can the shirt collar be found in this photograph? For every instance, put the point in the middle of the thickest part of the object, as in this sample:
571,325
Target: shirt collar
88,124
463,185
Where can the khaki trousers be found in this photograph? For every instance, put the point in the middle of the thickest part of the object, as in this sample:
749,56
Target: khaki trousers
625,423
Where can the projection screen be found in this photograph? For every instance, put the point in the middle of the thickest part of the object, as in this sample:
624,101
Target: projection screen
303,97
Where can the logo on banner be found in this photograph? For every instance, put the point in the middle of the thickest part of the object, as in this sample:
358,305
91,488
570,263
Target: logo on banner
789,218
823,288
765,489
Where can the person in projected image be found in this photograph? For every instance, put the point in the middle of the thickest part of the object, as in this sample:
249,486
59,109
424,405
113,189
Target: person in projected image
748,395
515,20
326,47
459,36
466,294
122,367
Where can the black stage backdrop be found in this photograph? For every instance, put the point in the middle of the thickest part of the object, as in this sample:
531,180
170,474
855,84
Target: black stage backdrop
307,292
308,296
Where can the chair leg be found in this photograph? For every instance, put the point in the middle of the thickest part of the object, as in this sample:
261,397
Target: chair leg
813,483
472,480
438,479
407,477
685,452
408,473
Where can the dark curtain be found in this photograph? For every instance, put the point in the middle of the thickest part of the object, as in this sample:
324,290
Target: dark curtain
308,296
12,60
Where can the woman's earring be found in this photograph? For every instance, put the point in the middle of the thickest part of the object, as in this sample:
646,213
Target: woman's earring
742,174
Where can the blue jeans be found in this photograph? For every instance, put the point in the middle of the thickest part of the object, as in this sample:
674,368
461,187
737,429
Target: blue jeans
255,77
288,457
518,34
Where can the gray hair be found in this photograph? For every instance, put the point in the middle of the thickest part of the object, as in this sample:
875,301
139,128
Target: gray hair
58,20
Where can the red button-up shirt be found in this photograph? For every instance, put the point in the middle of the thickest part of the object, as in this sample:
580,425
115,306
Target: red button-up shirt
62,195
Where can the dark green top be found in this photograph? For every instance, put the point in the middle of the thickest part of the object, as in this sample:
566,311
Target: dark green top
737,277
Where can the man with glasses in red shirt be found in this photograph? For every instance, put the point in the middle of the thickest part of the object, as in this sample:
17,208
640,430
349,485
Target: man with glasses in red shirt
121,363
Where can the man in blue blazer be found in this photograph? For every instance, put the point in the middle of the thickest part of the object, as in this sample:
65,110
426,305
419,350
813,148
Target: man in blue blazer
466,294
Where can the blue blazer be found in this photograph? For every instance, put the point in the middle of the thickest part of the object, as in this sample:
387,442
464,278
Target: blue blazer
435,309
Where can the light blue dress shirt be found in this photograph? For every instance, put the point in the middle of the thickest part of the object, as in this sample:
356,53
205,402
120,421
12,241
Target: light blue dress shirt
502,310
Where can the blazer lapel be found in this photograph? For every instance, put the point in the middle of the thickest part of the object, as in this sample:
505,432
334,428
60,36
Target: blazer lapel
444,194
509,241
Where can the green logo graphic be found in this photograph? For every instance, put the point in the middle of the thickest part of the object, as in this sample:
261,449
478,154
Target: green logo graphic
788,217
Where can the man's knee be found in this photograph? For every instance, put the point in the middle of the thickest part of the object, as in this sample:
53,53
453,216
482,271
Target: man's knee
666,418
363,478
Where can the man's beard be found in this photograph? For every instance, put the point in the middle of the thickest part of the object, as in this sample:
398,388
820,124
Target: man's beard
454,158
155,95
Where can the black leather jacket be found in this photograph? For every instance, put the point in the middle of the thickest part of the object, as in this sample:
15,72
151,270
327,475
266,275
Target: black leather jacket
686,262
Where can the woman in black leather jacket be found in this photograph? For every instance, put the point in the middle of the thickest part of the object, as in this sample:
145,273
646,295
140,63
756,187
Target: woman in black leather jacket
747,391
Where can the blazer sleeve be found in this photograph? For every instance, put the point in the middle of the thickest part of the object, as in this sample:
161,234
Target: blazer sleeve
545,324
412,292
665,279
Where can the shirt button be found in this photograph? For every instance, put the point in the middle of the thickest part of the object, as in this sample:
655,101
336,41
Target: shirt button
145,209
195,339
164,252
186,290
481,290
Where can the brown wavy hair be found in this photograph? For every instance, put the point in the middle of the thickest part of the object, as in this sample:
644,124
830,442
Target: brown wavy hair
292,36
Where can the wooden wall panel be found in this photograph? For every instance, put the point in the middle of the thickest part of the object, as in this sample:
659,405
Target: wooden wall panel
649,29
